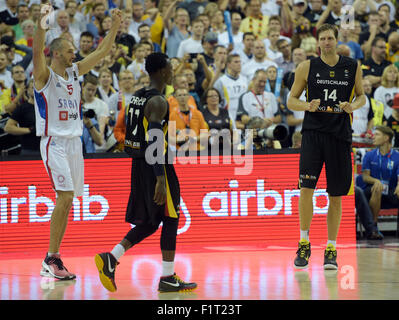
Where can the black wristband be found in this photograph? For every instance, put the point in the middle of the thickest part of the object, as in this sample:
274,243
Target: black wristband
91,128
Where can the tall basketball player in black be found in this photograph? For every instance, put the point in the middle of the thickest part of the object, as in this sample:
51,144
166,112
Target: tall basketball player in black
331,82
155,192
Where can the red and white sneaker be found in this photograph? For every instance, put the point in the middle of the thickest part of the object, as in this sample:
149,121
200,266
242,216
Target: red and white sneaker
53,267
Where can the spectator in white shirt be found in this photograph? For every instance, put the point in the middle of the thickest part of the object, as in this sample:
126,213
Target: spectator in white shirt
258,103
77,19
259,61
245,50
90,101
62,26
273,35
194,43
232,85
388,88
137,67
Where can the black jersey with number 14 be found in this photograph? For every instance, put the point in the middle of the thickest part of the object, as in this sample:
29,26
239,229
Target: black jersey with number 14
332,85
136,139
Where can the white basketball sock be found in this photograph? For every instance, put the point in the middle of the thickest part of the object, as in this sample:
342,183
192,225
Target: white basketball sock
118,251
168,268
49,254
305,235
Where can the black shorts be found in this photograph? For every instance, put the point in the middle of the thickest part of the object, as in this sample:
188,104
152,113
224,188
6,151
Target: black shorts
141,208
320,148
388,201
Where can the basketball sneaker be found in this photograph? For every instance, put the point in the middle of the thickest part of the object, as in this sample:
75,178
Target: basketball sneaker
174,284
106,264
330,258
53,267
302,255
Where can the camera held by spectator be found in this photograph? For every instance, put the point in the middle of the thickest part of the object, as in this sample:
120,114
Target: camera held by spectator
263,137
88,113
273,132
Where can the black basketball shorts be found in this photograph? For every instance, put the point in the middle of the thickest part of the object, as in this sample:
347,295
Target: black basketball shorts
320,148
141,208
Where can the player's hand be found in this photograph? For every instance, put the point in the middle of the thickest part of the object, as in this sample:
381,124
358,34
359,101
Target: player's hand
396,192
160,191
377,187
346,106
116,15
47,16
313,105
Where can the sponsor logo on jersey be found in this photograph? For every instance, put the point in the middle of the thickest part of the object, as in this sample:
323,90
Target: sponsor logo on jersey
334,109
132,144
332,82
73,115
63,115
68,103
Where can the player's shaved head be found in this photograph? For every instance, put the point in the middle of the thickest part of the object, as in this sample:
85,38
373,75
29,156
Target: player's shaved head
57,45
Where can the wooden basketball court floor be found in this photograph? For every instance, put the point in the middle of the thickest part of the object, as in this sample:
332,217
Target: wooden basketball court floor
367,270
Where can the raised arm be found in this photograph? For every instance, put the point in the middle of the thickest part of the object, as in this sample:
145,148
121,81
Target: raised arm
104,47
167,16
40,71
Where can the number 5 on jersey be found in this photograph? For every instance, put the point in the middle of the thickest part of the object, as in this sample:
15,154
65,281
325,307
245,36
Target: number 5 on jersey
70,89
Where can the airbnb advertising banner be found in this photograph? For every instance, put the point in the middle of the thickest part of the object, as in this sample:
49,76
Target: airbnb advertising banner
219,205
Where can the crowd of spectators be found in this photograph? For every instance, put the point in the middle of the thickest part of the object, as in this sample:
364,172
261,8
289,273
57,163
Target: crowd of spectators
222,81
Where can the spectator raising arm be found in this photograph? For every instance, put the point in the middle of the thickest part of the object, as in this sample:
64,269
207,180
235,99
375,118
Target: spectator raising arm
168,14
287,21
325,15
104,47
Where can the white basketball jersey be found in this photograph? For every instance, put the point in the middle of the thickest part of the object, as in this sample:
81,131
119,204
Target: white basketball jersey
57,106
232,90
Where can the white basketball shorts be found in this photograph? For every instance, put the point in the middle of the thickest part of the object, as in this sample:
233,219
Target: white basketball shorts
63,160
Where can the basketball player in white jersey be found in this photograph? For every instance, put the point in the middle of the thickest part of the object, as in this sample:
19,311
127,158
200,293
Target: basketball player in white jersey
60,125
232,85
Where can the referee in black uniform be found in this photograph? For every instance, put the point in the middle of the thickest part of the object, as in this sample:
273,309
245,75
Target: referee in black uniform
155,191
331,83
